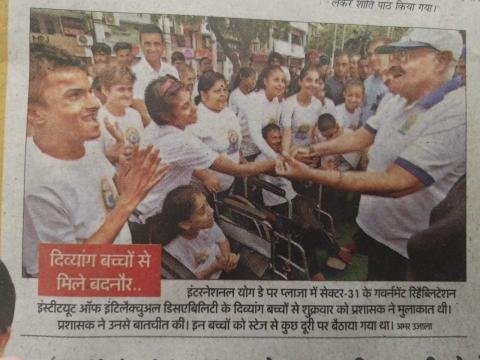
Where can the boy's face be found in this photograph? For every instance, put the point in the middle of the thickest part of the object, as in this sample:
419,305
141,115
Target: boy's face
120,95
274,140
363,69
188,80
250,82
68,108
124,57
205,65
101,58
341,66
152,46
179,64
353,98
331,133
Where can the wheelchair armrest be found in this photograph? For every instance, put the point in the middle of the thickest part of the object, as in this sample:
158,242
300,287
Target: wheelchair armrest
175,268
265,185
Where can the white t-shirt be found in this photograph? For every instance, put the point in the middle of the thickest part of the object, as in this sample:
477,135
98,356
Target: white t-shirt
220,131
347,161
430,144
329,107
184,153
236,99
346,119
200,253
130,124
145,74
269,198
301,119
66,201
259,113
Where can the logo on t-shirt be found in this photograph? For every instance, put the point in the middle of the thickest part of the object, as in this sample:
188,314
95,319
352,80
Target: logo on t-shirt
201,257
408,124
109,195
132,135
302,132
233,141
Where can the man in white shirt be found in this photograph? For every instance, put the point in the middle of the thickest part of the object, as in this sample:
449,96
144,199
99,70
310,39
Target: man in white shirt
70,196
150,67
417,149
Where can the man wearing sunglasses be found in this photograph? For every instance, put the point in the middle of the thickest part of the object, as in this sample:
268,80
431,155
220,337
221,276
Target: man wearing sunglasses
417,152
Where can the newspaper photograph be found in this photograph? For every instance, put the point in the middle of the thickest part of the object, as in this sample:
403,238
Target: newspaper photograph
239,180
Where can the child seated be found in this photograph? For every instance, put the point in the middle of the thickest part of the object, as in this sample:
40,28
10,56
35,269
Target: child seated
304,215
198,243
348,114
328,128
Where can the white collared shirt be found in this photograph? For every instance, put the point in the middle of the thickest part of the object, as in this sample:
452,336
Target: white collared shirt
146,74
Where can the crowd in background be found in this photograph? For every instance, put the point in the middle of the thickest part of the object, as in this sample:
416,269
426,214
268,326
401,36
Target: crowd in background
212,131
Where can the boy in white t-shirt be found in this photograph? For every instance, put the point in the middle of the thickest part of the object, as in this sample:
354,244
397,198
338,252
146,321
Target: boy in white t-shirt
117,85
336,201
327,128
348,114
304,219
70,196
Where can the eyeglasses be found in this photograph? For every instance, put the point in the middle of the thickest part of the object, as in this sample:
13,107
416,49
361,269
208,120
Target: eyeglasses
404,56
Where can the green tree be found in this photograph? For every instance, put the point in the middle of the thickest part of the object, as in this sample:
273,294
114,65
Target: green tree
354,38
243,31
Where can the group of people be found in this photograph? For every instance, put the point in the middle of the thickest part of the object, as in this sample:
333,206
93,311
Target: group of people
120,152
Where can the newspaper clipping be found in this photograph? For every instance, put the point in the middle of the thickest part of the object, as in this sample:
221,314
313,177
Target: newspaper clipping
239,180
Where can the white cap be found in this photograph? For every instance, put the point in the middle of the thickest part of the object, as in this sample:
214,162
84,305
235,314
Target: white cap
442,40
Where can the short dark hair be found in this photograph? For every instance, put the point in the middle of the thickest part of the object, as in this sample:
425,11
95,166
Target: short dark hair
326,122
43,60
269,128
274,55
203,59
354,83
122,46
101,48
206,82
7,299
177,55
340,54
243,73
149,29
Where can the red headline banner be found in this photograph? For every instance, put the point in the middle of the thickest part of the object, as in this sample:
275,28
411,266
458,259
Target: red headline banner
99,270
